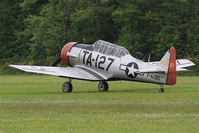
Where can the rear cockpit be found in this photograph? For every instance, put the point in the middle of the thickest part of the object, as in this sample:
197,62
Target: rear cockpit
109,49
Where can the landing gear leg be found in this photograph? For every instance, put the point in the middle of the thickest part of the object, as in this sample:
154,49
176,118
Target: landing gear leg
67,87
103,86
161,89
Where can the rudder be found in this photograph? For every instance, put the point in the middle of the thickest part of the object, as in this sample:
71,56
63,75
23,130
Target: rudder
168,63
171,74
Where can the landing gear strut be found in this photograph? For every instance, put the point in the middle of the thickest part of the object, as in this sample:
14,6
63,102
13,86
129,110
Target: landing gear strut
67,87
161,89
103,86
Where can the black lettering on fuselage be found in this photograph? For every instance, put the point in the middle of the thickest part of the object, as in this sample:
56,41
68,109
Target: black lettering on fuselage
89,60
85,53
99,61
150,75
96,61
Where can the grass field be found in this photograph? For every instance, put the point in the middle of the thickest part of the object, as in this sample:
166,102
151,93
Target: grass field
36,104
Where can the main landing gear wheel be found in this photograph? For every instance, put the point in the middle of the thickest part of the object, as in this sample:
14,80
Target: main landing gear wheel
67,87
103,86
161,89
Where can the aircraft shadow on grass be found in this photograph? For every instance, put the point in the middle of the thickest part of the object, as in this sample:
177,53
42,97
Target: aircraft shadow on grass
144,90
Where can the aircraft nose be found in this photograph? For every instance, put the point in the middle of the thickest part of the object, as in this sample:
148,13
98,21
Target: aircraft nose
67,47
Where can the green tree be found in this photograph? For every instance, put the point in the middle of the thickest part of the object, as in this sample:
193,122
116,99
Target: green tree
8,26
34,31
92,21
13,42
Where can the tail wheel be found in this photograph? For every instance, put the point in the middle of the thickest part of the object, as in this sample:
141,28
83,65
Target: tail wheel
103,86
161,90
67,87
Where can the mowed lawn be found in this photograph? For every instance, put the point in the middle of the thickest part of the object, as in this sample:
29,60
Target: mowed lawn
35,103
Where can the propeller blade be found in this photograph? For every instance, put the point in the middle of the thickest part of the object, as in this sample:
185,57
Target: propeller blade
56,62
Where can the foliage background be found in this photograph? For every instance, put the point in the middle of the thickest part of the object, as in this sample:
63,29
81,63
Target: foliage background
34,31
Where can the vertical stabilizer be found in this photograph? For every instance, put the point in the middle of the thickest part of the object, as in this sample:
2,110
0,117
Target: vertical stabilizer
164,62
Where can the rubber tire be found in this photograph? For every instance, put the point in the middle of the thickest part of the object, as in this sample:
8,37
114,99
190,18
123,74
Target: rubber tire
161,90
103,86
67,87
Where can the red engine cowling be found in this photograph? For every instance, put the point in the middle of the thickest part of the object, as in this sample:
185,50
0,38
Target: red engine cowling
64,51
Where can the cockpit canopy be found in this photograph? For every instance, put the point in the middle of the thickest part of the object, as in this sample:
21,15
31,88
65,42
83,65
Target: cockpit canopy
109,49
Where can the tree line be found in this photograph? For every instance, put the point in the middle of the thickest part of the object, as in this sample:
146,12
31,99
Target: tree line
34,31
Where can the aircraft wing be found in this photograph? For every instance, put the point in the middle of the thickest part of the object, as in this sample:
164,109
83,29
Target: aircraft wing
69,72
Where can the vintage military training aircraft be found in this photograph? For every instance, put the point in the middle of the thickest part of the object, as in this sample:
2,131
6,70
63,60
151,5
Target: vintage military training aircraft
104,61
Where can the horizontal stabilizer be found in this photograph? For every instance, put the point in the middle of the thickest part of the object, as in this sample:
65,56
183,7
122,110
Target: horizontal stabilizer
151,70
181,64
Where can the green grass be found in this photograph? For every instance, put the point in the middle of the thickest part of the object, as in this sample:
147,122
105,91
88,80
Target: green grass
34,103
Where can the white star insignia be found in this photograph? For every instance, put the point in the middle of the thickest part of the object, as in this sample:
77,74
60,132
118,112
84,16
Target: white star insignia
131,70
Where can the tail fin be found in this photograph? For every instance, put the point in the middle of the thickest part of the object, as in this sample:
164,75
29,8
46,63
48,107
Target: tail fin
168,63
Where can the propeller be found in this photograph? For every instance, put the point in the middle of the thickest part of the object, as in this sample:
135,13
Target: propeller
56,62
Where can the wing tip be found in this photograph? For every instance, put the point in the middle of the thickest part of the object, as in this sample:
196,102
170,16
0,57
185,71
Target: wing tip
11,65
